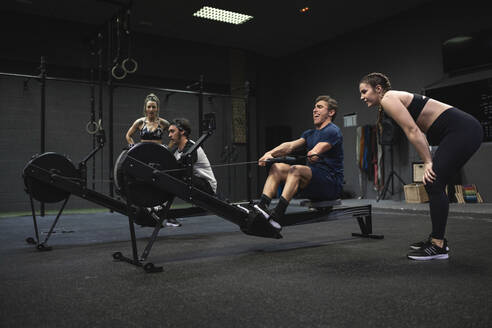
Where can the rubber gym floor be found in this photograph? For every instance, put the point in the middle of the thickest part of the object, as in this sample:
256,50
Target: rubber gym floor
318,275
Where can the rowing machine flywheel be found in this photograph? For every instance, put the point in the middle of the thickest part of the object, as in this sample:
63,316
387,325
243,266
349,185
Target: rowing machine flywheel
54,164
136,190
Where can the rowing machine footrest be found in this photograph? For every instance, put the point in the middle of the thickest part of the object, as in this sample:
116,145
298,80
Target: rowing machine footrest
256,225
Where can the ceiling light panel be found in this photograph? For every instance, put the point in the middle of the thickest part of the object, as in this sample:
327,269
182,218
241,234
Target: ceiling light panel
222,15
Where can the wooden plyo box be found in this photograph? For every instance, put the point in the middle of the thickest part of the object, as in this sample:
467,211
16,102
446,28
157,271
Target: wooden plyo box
415,193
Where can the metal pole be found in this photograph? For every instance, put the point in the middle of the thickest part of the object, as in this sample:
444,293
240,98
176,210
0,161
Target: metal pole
101,88
19,75
211,94
200,107
258,153
248,148
93,118
93,111
42,77
110,108
125,85
111,139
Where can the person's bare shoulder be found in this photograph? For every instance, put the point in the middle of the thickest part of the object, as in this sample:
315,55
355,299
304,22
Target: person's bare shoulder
403,96
164,122
139,121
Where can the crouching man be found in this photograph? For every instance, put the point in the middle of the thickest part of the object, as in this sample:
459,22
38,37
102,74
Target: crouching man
203,177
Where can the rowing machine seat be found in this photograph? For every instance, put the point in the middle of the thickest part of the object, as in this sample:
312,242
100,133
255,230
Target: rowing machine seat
321,204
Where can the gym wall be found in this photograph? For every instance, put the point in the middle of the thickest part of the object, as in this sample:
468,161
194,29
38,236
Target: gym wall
335,68
165,63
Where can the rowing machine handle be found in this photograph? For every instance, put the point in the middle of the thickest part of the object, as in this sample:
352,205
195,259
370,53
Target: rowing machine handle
284,159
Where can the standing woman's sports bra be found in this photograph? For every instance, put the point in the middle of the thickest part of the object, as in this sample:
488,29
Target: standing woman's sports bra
417,104
146,134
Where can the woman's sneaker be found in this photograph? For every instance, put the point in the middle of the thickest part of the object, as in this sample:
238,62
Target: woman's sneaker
418,245
173,223
429,251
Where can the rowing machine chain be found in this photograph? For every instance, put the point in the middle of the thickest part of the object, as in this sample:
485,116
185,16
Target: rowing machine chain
188,167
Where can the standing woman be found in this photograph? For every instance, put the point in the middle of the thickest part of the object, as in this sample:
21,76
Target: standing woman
457,133
151,127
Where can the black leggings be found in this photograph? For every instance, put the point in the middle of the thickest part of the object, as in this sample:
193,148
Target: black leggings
459,135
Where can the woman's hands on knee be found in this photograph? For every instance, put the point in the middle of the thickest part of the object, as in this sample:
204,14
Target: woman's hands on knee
429,175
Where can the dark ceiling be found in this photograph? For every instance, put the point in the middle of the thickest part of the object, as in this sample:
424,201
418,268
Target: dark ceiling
277,29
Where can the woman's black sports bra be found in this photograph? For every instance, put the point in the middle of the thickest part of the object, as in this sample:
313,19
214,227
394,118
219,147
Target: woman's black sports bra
146,134
417,104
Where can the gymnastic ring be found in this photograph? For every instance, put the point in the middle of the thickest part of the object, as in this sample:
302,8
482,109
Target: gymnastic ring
92,127
130,61
118,72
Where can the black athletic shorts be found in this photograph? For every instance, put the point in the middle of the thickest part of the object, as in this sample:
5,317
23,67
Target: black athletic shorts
323,186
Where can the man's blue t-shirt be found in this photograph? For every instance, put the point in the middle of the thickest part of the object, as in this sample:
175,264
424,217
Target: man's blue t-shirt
331,160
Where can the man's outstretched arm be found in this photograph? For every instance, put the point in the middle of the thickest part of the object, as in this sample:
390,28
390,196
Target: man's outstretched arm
282,150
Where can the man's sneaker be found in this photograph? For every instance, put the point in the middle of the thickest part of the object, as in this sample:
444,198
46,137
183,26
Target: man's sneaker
418,245
173,223
266,214
146,217
429,251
